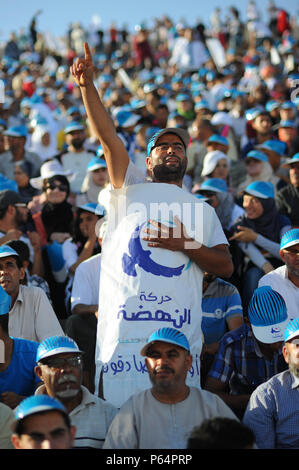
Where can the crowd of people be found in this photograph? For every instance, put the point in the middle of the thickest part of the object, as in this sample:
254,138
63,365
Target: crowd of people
209,116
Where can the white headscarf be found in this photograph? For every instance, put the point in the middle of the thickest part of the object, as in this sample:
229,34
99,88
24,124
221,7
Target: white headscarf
44,152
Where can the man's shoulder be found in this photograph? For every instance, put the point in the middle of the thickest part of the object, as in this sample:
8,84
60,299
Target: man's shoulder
282,380
89,399
236,336
277,275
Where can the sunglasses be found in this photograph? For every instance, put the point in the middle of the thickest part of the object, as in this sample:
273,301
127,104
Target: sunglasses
60,187
59,362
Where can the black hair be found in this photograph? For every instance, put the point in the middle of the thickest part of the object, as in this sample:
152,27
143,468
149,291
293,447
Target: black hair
221,433
61,178
21,248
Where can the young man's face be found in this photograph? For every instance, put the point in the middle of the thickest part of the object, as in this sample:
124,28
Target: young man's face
45,431
168,160
167,365
10,275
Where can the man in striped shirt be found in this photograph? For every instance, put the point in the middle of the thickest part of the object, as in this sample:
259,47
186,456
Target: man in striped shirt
273,409
251,354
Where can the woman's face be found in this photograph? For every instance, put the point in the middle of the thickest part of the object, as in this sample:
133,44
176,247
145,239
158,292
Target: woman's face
253,167
221,169
100,176
20,177
56,192
252,206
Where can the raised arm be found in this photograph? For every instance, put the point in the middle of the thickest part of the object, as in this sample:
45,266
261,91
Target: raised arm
116,156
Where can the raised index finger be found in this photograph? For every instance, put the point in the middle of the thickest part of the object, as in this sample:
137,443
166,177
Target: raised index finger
88,56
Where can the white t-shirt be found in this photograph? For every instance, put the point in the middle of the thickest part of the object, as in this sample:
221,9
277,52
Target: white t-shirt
86,282
145,289
279,281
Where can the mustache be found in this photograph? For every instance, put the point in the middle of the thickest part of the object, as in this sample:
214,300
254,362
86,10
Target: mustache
66,378
161,368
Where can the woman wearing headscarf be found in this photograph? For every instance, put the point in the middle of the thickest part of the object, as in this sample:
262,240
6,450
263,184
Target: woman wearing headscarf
258,233
95,181
258,168
54,222
216,191
43,142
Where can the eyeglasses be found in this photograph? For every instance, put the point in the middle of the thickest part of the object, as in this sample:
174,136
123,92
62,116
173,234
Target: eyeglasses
60,362
20,204
60,187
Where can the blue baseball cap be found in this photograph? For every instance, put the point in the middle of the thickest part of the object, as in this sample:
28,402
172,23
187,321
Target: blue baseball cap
149,87
292,330
289,161
183,97
288,105
267,313
74,126
216,185
181,133
276,146
93,207
5,302
290,238
218,139
287,124
73,110
126,118
203,104
272,104
37,404
166,335
95,163
16,131
6,250
253,113
257,155
261,189
56,345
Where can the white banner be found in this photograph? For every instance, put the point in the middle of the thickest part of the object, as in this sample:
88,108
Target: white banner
142,288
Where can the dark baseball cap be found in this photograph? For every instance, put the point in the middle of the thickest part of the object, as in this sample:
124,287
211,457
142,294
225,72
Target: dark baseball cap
9,198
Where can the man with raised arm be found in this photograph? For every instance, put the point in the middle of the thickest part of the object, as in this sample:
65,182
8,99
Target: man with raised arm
149,246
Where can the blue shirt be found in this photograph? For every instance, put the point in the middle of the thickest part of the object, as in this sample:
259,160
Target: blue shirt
239,363
19,377
273,413
220,302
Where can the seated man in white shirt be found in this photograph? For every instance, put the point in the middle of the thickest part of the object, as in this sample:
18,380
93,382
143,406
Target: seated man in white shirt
163,417
285,279
31,315
59,366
